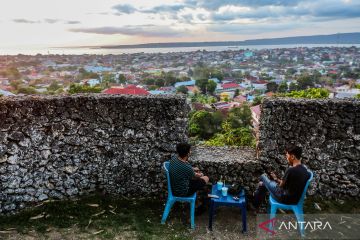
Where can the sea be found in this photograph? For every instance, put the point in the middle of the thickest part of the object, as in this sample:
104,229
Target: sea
117,51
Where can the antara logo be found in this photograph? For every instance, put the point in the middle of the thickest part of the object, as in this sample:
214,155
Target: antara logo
269,225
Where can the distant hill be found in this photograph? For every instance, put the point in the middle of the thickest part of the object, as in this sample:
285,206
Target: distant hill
339,38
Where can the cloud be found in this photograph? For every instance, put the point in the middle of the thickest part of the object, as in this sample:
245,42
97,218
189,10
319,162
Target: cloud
216,4
124,9
72,22
141,30
22,20
252,28
51,21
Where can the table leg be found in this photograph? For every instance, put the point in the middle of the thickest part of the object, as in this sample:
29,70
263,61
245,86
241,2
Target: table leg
243,216
211,214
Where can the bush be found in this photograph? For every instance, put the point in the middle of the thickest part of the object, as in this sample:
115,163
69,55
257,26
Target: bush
309,93
232,137
77,88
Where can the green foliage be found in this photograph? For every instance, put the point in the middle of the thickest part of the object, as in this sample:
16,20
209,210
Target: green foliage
305,81
26,90
357,96
257,100
77,88
204,99
237,93
309,93
283,87
54,86
122,79
15,84
240,116
182,89
205,85
211,86
109,78
293,87
271,87
204,124
202,72
12,73
83,74
232,137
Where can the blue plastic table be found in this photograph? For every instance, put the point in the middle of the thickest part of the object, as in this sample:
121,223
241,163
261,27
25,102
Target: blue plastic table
227,201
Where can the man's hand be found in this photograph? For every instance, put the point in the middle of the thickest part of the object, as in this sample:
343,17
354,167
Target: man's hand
199,174
273,176
196,169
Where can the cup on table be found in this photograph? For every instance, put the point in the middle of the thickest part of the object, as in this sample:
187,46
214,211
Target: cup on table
219,185
224,191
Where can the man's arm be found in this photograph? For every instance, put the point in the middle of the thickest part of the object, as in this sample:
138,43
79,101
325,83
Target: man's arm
281,182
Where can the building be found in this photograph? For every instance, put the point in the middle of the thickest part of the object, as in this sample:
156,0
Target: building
130,89
6,93
186,83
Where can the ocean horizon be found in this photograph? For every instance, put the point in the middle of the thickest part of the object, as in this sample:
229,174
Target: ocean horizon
117,51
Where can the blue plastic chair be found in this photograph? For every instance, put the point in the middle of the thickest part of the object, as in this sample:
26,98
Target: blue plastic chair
172,199
297,209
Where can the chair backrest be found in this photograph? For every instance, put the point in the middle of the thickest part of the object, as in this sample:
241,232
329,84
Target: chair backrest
301,201
166,168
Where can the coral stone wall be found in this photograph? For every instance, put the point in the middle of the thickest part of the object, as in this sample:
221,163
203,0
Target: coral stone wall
328,131
60,147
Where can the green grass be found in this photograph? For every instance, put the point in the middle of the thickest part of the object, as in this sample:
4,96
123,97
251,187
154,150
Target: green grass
95,217
112,216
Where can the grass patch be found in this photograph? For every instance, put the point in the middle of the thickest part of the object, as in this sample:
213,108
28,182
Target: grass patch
101,217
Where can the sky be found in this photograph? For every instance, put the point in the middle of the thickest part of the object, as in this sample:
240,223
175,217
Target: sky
61,23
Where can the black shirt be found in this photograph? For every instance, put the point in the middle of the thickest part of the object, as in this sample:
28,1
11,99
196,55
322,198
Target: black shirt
295,179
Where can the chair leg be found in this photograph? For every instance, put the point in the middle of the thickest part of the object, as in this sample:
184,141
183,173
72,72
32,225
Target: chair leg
192,214
300,218
168,206
273,210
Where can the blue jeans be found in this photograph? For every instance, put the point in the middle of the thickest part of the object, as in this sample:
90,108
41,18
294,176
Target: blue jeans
268,185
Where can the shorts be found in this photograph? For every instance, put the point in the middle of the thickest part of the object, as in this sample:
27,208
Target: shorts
195,185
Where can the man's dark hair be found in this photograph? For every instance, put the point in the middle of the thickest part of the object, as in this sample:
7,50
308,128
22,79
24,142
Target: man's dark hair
294,150
183,149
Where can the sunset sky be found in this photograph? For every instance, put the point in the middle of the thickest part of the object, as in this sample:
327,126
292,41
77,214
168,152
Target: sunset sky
49,23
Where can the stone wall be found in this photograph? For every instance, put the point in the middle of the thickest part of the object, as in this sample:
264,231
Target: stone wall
235,164
328,131
66,146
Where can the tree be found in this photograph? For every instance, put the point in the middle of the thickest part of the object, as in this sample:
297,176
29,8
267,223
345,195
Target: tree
257,100
232,137
271,87
309,93
182,89
122,79
202,84
26,90
283,87
206,86
13,73
203,124
305,81
54,86
211,86
15,84
240,116
237,93
293,86
109,78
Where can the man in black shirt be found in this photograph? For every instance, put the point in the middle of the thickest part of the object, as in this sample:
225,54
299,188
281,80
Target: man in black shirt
287,190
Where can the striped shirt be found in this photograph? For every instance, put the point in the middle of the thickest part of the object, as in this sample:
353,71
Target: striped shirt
180,175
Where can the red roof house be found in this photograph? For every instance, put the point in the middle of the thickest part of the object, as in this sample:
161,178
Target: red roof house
130,89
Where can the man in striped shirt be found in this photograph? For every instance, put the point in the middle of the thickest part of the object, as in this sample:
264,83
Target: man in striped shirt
185,180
